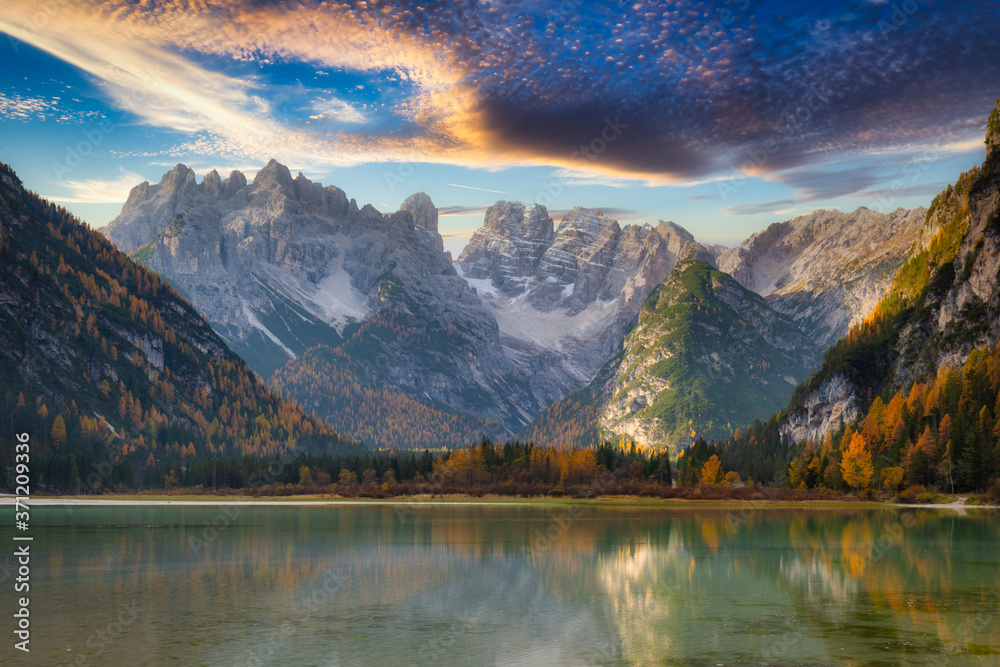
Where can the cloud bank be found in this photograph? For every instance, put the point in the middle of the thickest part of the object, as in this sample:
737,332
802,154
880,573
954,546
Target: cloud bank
693,88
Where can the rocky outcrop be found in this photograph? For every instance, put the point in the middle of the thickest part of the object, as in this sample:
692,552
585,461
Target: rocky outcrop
832,404
425,217
826,270
564,297
283,264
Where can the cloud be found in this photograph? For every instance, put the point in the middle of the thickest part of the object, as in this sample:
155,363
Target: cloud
819,184
18,107
338,110
445,211
774,207
97,191
581,177
471,187
655,92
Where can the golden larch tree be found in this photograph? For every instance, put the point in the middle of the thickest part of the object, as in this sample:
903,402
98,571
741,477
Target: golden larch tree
711,472
856,464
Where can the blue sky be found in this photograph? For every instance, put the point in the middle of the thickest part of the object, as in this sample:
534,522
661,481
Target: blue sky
720,116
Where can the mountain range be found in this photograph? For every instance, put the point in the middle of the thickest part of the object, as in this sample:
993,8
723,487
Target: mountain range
309,287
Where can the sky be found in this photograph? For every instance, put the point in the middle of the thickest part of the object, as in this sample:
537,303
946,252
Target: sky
720,116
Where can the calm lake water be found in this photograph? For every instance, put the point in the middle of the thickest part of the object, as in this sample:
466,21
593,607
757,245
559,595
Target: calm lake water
513,585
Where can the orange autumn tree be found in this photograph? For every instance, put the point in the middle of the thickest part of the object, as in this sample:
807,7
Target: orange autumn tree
856,464
711,472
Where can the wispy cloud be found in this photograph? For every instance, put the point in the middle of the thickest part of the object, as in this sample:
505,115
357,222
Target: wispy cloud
471,187
97,191
336,109
582,177
446,211
774,207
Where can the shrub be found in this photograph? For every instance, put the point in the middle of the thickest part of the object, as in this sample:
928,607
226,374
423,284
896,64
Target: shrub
911,494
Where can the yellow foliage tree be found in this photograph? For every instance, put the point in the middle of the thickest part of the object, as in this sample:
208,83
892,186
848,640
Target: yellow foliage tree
892,478
58,433
856,464
711,472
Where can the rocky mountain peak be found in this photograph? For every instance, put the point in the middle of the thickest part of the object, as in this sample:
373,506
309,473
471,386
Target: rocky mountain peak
517,220
424,213
212,184
590,222
509,245
178,177
235,182
564,297
696,252
667,228
288,264
826,270
273,176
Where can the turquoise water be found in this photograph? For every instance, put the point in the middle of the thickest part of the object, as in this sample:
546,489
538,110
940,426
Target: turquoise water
509,585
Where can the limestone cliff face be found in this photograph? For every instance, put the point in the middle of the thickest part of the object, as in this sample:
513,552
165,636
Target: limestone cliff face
564,297
425,217
282,264
944,303
961,309
833,403
826,270
507,248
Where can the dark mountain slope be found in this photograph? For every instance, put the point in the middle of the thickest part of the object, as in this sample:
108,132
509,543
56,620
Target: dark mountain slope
97,355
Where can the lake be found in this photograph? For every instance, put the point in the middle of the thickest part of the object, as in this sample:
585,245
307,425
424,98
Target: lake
509,585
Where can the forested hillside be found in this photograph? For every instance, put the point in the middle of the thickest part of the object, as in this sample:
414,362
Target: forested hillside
921,375
102,362
336,387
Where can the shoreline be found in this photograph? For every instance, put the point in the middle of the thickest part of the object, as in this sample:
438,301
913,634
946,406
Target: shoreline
458,500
